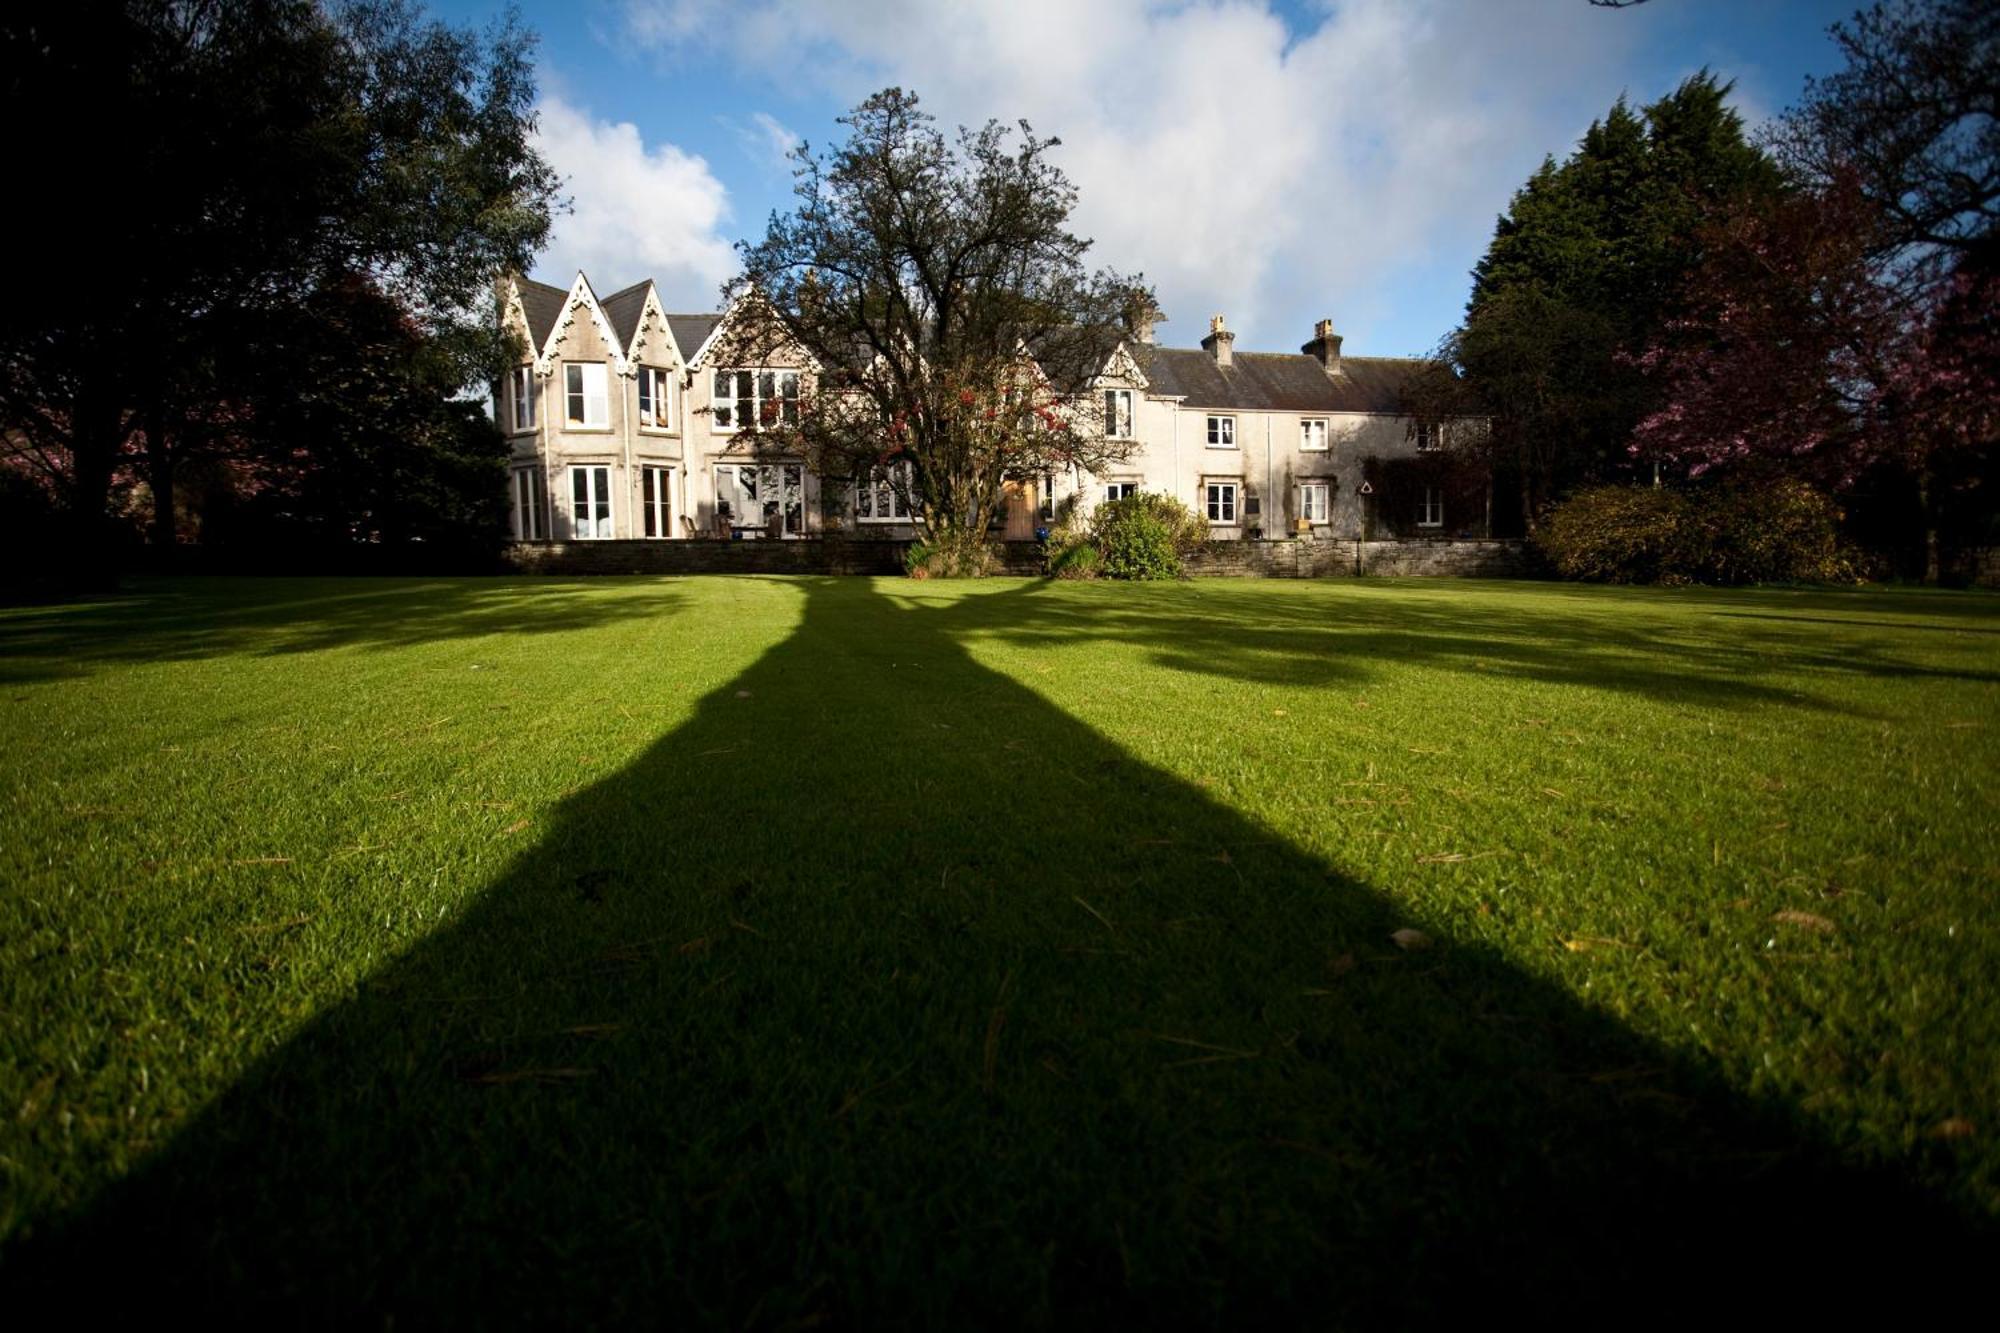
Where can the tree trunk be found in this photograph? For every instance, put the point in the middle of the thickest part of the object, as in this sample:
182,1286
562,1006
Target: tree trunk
96,438
160,476
1933,566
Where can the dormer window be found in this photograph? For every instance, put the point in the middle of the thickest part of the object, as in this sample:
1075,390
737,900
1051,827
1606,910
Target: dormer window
1222,432
1118,413
586,394
656,398
521,390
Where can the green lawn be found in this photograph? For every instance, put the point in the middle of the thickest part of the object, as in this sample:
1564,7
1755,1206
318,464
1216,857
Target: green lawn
762,952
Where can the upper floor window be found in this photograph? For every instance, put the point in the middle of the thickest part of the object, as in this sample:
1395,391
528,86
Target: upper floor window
522,390
656,398
1430,512
1222,432
1312,433
1430,435
1118,413
883,496
760,398
585,389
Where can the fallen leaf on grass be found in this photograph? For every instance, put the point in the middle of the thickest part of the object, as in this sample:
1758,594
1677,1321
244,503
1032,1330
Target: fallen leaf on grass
1804,920
514,828
1410,940
1957,1127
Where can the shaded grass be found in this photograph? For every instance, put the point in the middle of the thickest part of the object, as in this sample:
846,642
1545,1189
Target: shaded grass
758,950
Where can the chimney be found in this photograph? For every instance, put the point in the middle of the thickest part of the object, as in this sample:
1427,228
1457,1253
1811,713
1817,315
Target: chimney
1139,320
1325,347
1218,342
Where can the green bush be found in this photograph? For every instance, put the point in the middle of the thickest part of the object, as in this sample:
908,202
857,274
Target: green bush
949,556
1078,561
1146,536
1772,532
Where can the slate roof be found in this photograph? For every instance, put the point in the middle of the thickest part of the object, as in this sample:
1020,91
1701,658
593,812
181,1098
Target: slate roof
691,331
623,309
543,305
1278,381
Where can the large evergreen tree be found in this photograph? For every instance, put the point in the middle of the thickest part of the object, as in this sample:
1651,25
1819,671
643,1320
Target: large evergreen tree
1584,271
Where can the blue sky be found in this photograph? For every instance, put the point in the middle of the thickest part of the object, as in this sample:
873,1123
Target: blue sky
1275,160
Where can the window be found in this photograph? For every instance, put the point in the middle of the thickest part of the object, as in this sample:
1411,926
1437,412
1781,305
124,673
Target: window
656,398
1312,502
590,503
1046,510
1222,432
1222,501
655,501
1119,490
523,394
1430,436
765,398
584,387
1430,513
1312,434
883,495
764,496
1118,413
527,494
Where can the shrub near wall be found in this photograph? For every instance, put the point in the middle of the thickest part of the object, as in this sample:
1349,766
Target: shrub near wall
1145,536
1780,531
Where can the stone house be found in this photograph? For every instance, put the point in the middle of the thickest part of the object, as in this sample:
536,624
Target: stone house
623,427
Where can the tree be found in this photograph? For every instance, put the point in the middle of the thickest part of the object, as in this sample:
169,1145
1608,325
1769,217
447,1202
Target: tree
1583,271
265,150
1914,117
945,304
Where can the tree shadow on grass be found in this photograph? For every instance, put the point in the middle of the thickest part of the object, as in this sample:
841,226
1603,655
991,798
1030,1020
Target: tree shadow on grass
191,619
881,991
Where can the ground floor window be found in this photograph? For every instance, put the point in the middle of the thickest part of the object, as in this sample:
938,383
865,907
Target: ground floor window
1430,513
1312,501
883,496
763,495
528,504
1121,490
656,500
1222,502
1046,510
590,503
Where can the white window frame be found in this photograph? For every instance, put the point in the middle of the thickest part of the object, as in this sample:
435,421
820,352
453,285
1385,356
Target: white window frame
656,501
1120,490
777,472
878,498
766,384
1221,431
656,399
595,521
521,389
1045,509
1118,414
1315,502
525,488
1430,436
1430,509
580,397
1222,498
1313,435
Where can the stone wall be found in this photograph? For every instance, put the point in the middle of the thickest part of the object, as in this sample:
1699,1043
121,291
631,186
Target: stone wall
1228,559
1336,559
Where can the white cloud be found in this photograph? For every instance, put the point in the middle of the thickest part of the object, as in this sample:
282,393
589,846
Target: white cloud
639,212
767,140
1245,167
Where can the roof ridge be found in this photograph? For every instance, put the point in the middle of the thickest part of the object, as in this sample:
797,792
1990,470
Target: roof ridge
626,291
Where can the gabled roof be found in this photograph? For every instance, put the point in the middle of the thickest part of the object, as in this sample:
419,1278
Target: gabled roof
1279,381
623,309
543,305
691,331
